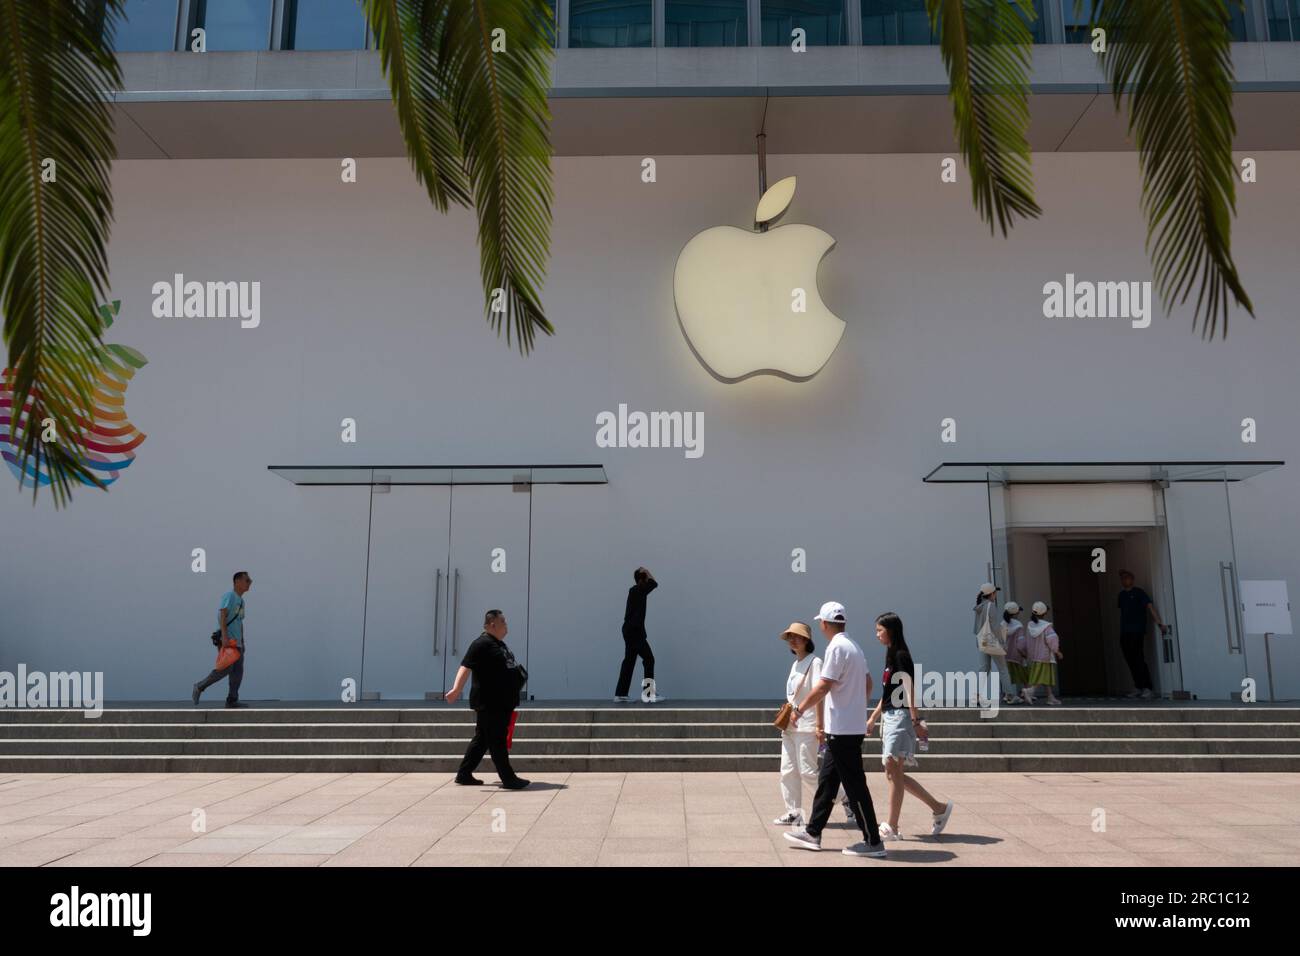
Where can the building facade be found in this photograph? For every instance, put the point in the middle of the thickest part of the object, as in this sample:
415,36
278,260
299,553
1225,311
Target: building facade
387,469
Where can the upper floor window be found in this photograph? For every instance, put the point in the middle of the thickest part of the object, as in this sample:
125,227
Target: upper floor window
823,22
145,25
234,24
605,23
1077,29
706,23
1283,19
906,23
323,25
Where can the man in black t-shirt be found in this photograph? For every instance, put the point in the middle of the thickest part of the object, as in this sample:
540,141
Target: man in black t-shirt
1135,605
635,643
494,695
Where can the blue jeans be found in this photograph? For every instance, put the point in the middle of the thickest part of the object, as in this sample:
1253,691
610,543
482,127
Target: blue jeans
236,674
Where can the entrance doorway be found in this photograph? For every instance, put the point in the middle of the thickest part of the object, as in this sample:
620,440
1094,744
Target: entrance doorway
438,558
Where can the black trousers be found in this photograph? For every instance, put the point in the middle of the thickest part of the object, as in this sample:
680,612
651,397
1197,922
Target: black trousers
236,674
634,645
842,766
490,729
1132,643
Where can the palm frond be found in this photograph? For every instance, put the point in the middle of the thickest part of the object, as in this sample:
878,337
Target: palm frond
53,267
476,125
987,50
1170,62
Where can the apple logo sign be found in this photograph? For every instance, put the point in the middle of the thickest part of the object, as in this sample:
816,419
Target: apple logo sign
735,291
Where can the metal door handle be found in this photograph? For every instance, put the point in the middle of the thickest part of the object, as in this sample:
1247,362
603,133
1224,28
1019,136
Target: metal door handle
1229,605
455,611
437,608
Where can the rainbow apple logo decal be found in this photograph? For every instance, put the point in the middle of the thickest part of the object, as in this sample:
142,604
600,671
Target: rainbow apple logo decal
111,439
737,293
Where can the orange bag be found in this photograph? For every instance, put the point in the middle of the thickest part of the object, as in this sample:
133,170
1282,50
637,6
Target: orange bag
227,656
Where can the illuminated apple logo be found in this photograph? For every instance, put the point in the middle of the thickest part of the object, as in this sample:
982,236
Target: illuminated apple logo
110,438
739,294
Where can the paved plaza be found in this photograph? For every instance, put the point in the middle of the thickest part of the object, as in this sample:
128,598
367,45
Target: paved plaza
646,819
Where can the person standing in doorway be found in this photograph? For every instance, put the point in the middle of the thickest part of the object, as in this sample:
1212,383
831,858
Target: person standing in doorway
635,642
230,621
494,695
1135,606
899,719
989,624
845,685
1042,651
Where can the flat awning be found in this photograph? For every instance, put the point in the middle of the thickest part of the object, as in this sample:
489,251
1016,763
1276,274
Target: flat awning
441,474
1091,472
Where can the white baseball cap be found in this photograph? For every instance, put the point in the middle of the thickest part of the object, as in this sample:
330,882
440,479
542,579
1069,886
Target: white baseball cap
1039,607
1012,607
989,589
832,611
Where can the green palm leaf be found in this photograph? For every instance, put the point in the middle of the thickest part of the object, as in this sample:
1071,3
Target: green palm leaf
53,268
1171,62
476,126
987,50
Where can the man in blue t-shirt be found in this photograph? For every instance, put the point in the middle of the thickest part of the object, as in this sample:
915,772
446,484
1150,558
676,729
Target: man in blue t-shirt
230,622
1135,605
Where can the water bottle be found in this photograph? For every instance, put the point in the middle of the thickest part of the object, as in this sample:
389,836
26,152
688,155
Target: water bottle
923,742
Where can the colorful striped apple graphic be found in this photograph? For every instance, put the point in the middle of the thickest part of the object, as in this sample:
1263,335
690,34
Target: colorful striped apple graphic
736,292
111,439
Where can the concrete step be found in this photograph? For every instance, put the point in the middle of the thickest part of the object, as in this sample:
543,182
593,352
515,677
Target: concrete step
684,746
1003,727
543,765
633,714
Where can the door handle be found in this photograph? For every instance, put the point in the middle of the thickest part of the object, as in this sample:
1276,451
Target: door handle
1229,605
437,609
455,612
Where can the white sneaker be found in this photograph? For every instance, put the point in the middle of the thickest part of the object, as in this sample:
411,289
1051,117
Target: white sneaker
865,849
888,833
941,820
1054,701
622,700
655,699
1146,694
803,840
789,820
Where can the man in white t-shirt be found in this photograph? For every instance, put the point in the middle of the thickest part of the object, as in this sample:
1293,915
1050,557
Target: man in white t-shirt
845,684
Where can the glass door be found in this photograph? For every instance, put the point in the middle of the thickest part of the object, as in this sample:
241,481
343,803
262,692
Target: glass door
488,567
404,640
1207,607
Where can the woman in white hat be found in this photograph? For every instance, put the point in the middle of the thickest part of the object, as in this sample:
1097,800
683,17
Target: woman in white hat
988,641
802,738
1013,639
1042,651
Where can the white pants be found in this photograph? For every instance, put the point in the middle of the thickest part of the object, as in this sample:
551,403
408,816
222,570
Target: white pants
799,767
987,661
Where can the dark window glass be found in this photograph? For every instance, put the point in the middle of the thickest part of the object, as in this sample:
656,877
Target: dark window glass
823,21
605,23
1283,19
235,24
705,23
324,25
145,26
896,23
1076,26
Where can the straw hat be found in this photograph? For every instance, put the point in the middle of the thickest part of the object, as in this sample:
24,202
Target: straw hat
797,629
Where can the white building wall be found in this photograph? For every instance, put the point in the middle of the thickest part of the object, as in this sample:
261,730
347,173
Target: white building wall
371,310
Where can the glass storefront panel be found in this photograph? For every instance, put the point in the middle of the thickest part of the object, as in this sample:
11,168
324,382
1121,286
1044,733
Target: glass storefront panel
610,23
705,23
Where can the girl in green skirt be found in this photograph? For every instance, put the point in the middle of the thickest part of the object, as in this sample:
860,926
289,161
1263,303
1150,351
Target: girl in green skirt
1042,651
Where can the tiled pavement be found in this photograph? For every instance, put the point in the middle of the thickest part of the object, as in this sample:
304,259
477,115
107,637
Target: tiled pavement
673,819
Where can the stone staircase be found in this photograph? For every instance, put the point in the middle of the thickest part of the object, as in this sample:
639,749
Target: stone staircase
584,736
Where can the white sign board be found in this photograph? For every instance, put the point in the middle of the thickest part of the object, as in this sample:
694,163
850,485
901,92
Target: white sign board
1266,607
